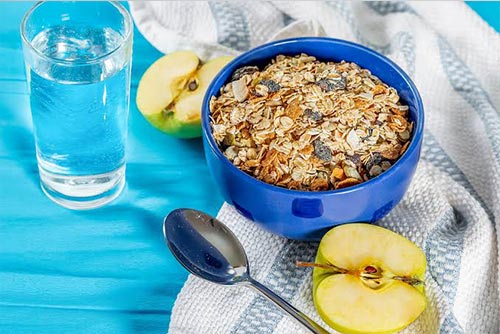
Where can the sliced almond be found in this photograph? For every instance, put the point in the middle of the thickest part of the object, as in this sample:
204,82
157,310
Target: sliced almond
240,90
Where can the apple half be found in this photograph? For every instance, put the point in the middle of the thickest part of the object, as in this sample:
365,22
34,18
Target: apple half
171,92
368,279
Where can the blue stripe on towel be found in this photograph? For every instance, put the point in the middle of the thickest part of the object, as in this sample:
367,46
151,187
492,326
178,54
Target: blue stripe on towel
444,248
401,42
450,326
468,86
433,153
232,25
389,7
284,278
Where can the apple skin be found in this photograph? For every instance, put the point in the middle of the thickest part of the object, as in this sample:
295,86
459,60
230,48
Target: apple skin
320,274
167,123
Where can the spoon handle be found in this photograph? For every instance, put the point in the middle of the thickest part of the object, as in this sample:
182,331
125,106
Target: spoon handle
288,308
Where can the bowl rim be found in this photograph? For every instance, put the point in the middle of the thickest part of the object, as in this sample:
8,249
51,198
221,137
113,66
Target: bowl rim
246,57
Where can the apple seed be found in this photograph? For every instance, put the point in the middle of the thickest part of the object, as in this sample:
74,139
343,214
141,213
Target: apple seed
192,85
370,269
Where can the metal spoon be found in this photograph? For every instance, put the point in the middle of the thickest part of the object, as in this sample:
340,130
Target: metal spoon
209,250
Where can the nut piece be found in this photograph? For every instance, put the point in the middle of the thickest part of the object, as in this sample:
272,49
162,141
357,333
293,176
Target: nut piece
293,109
319,184
353,139
351,172
261,90
390,153
385,165
240,90
375,170
338,173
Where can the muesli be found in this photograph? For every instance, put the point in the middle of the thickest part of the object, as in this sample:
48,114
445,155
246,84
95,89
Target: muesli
304,124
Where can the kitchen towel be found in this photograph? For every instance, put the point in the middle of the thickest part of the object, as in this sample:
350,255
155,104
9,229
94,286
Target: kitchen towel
452,209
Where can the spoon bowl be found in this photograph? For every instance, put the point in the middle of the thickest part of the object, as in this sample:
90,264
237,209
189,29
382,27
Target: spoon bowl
206,247
209,250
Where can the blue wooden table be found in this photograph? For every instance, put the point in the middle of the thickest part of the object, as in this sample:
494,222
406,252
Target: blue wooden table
101,271
107,270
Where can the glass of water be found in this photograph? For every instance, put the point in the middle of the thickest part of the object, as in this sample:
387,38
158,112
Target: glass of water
78,62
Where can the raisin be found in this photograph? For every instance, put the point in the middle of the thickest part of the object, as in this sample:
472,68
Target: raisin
314,115
355,158
375,159
271,85
330,84
322,151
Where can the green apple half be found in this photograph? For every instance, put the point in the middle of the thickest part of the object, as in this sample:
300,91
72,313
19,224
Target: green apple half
171,92
368,279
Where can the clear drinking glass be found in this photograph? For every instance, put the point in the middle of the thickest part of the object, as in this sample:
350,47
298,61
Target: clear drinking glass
78,62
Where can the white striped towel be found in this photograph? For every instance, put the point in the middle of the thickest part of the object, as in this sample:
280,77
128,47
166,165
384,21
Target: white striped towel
452,209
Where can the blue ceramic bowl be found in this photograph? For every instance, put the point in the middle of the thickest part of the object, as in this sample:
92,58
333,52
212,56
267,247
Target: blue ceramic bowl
308,215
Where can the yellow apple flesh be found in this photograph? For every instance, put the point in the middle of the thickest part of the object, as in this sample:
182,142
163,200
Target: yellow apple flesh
164,80
170,93
370,280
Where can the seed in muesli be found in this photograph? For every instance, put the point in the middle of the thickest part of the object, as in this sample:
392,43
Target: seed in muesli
332,84
271,85
322,151
314,115
304,124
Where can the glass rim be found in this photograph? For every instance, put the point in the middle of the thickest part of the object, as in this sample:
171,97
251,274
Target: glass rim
127,35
